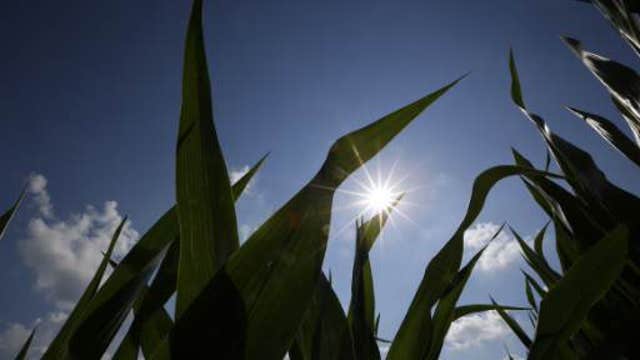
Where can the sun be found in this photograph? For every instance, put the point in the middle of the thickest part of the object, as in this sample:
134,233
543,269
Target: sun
379,198
378,194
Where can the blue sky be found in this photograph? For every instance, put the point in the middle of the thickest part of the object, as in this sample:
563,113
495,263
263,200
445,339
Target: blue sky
90,98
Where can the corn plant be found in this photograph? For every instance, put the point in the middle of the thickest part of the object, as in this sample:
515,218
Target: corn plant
589,307
268,296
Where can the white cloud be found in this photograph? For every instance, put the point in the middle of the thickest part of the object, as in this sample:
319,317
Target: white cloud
64,254
476,329
502,252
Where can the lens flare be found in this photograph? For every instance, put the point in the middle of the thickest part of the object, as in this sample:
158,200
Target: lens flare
379,198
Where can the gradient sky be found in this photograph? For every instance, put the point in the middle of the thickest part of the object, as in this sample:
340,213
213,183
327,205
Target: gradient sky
90,96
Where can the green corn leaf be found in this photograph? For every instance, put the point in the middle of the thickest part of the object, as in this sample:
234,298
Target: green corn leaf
6,217
446,309
24,350
152,323
324,330
239,186
605,201
286,252
465,310
575,227
58,347
208,230
547,161
538,240
516,88
531,281
128,348
411,340
361,312
105,313
109,309
532,318
622,82
620,15
567,248
565,308
538,263
611,134
530,298
513,325
629,117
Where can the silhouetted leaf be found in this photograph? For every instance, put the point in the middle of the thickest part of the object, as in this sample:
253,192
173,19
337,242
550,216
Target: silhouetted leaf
25,347
109,307
465,310
323,333
6,217
413,337
567,304
58,349
361,313
513,325
286,252
612,134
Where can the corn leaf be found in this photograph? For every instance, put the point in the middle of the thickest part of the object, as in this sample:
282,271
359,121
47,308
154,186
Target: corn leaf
109,307
465,310
530,280
24,350
565,308
537,262
622,82
208,230
361,313
605,202
622,14
611,134
413,337
530,298
239,186
538,240
286,252
324,331
6,217
446,309
58,347
513,325
152,323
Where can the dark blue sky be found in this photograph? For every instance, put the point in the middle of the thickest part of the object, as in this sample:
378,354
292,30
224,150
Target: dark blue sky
90,96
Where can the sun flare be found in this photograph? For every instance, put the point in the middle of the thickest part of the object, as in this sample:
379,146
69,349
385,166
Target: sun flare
379,198
378,193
